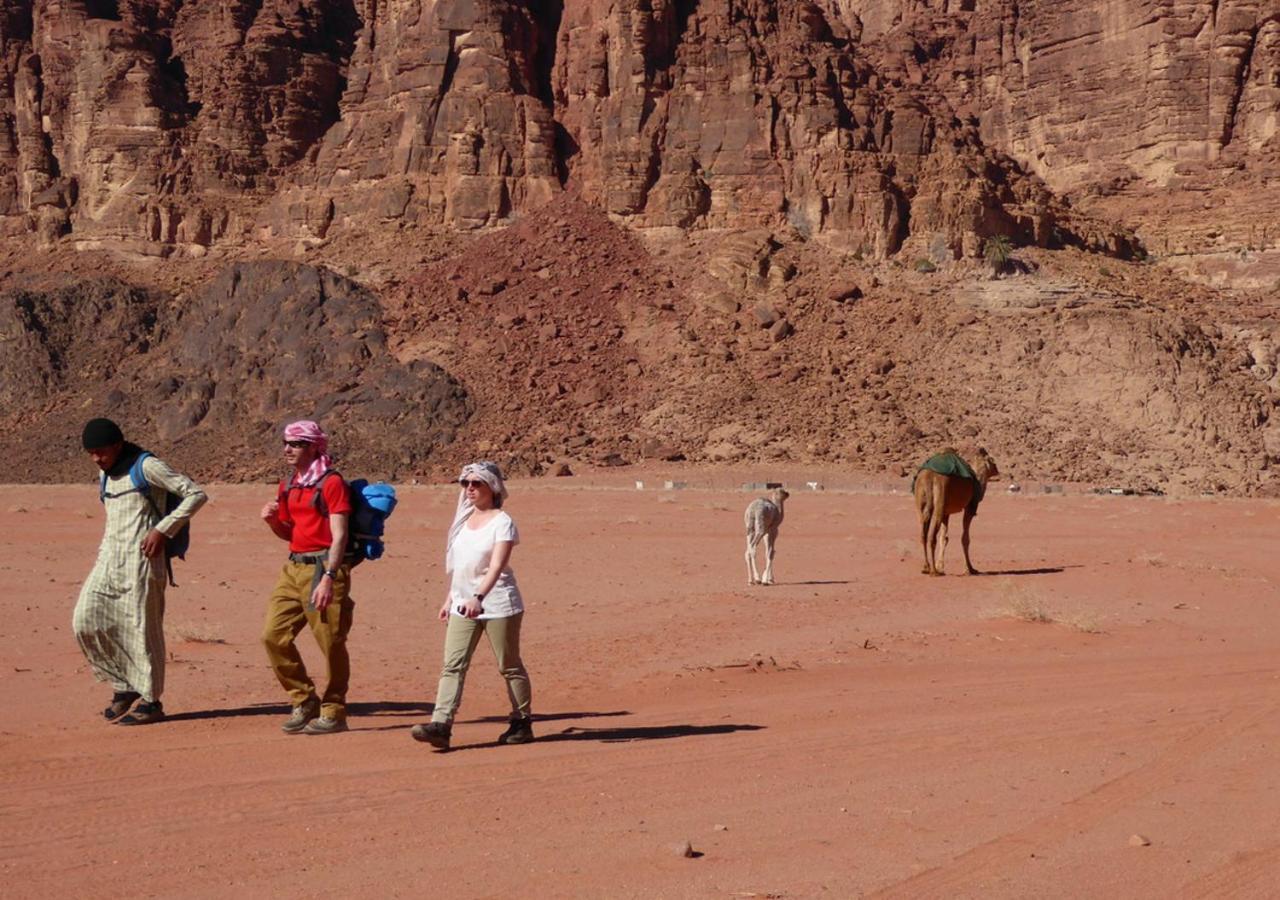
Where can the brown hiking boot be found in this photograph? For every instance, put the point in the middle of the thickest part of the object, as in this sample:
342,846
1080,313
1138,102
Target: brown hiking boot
436,734
325,725
302,714
520,731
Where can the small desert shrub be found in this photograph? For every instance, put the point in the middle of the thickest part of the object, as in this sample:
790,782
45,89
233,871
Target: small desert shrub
925,265
1104,271
1086,622
198,634
1017,602
1028,609
997,250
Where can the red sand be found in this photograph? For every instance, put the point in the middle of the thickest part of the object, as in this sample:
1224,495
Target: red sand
858,728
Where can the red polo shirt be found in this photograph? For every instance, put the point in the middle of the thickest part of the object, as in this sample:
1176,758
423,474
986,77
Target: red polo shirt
311,532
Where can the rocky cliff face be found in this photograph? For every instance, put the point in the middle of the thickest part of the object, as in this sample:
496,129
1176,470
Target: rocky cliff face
1082,90
156,126
215,374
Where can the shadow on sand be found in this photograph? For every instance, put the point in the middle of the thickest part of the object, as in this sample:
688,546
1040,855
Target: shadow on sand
378,708
625,734
1046,570
537,717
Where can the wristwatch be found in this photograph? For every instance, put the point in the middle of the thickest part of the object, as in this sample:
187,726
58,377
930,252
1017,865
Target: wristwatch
479,597
332,573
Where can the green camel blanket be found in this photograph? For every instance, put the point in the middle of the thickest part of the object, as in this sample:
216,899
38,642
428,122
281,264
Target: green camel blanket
952,464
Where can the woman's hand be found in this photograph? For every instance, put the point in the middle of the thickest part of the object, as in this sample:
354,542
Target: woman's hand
444,610
471,608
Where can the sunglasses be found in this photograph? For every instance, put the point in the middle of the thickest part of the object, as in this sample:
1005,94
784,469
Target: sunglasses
296,445
473,484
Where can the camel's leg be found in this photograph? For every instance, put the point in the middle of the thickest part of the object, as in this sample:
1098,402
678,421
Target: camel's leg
964,542
946,538
769,538
926,514
931,543
753,577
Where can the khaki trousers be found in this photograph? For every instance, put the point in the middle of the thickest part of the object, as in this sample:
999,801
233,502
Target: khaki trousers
287,611
460,642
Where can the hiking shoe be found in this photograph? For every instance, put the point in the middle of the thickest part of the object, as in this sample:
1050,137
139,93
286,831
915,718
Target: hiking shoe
302,714
520,731
436,734
143,714
120,703
325,725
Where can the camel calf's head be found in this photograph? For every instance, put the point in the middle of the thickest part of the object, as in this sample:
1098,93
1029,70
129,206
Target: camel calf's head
779,496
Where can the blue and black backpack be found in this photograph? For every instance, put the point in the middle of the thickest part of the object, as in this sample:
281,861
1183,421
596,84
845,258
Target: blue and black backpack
180,543
371,505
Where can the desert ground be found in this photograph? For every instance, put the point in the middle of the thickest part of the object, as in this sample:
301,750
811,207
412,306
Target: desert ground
1096,716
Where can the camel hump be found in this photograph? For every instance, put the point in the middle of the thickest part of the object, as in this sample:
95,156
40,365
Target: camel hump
949,462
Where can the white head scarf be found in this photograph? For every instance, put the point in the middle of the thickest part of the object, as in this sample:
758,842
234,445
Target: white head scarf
490,474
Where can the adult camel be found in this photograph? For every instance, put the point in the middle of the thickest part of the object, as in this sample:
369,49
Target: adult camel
946,485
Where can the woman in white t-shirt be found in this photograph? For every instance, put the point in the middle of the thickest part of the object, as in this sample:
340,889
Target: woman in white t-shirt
483,599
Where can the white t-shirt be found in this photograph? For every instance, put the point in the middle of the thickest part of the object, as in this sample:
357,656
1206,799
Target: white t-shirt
472,550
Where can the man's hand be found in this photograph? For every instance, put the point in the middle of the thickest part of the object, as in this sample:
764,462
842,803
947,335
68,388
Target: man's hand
271,510
153,544
322,596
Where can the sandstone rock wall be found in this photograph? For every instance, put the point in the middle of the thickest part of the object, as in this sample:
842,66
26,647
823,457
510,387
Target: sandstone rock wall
1085,90
159,125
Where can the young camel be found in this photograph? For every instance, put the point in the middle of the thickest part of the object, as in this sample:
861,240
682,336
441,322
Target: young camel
762,519
937,498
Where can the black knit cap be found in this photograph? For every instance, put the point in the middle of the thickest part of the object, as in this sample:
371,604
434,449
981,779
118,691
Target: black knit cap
101,433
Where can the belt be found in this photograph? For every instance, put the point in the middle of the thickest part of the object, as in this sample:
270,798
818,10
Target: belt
312,558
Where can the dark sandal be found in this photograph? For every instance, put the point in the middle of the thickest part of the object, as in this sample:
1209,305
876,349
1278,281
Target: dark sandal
120,703
143,714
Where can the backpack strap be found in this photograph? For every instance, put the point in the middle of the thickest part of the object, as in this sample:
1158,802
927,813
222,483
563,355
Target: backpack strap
317,499
140,484
136,478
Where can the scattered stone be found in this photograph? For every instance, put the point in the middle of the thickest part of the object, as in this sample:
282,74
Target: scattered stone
765,314
614,460
1015,488
1138,840
656,449
780,330
722,303
843,292
722,828
560,470
685,849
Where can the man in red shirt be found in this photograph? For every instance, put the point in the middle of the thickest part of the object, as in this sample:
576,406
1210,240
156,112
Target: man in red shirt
311,512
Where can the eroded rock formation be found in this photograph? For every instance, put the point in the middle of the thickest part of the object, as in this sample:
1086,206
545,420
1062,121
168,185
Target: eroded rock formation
154,125
216,374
